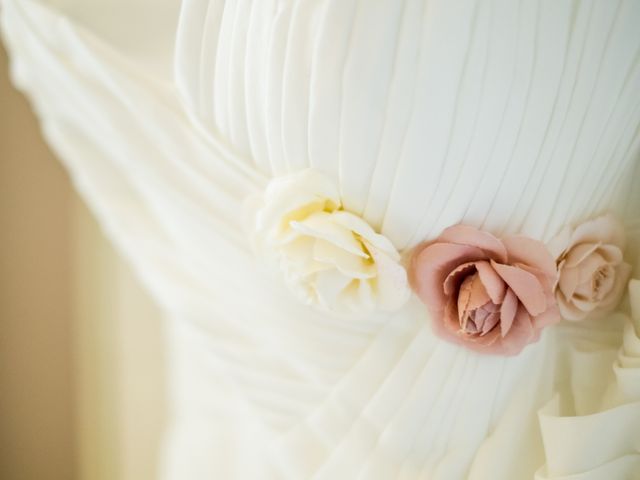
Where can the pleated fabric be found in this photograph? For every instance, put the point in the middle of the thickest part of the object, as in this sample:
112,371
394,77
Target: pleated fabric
510,116
514,116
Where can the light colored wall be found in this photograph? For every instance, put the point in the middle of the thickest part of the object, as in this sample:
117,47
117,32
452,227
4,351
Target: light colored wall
81,364
119,367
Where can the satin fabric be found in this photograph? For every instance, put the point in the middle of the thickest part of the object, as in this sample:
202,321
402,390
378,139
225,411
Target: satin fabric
513,117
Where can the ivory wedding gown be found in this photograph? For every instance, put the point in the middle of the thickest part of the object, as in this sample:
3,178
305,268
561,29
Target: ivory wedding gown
511,116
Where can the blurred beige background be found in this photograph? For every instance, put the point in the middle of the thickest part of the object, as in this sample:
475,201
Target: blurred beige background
81,353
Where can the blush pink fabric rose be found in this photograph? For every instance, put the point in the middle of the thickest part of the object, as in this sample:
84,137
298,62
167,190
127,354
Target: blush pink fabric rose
491,295
592,272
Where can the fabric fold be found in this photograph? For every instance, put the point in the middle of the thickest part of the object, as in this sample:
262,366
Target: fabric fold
606,442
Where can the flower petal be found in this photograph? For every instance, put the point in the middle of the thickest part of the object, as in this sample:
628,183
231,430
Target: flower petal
472,295
548,282
319,225
525,285
520,334
526,250
588,268
449,317
366,298
362,228
578,253
481,342
294,197
622,274
568,281
391,281
468,235
611,253
603,229
347,263
310,182
328,286
560,242
568,309
456,277
508,311
550,316
492,282
431,265
297,258
490,322
585,305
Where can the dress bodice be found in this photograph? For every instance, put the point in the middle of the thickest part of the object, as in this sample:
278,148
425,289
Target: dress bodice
516,116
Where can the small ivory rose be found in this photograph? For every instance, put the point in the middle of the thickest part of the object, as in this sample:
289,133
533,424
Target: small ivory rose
592,274
491,295
331,258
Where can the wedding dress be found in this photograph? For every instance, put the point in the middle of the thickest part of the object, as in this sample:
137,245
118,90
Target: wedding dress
510,116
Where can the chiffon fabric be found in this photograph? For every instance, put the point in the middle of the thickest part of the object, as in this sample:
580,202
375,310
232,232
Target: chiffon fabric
513,117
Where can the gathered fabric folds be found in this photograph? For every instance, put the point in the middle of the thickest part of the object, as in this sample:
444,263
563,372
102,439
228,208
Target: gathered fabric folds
595,432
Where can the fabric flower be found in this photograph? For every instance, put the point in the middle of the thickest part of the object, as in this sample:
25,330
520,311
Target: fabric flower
331,258
592,272
491,295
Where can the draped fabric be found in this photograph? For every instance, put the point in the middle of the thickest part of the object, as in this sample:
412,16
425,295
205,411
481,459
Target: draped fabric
510,116
590,429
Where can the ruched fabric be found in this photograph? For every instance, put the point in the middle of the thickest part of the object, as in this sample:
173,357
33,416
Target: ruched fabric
595,434
509,116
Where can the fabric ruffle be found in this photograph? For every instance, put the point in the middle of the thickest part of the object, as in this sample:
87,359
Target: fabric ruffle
604,444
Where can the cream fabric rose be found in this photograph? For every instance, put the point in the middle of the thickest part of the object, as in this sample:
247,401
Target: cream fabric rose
331,258
592,272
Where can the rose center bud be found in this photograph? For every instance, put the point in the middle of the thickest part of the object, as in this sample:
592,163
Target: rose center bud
477,314
602,282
